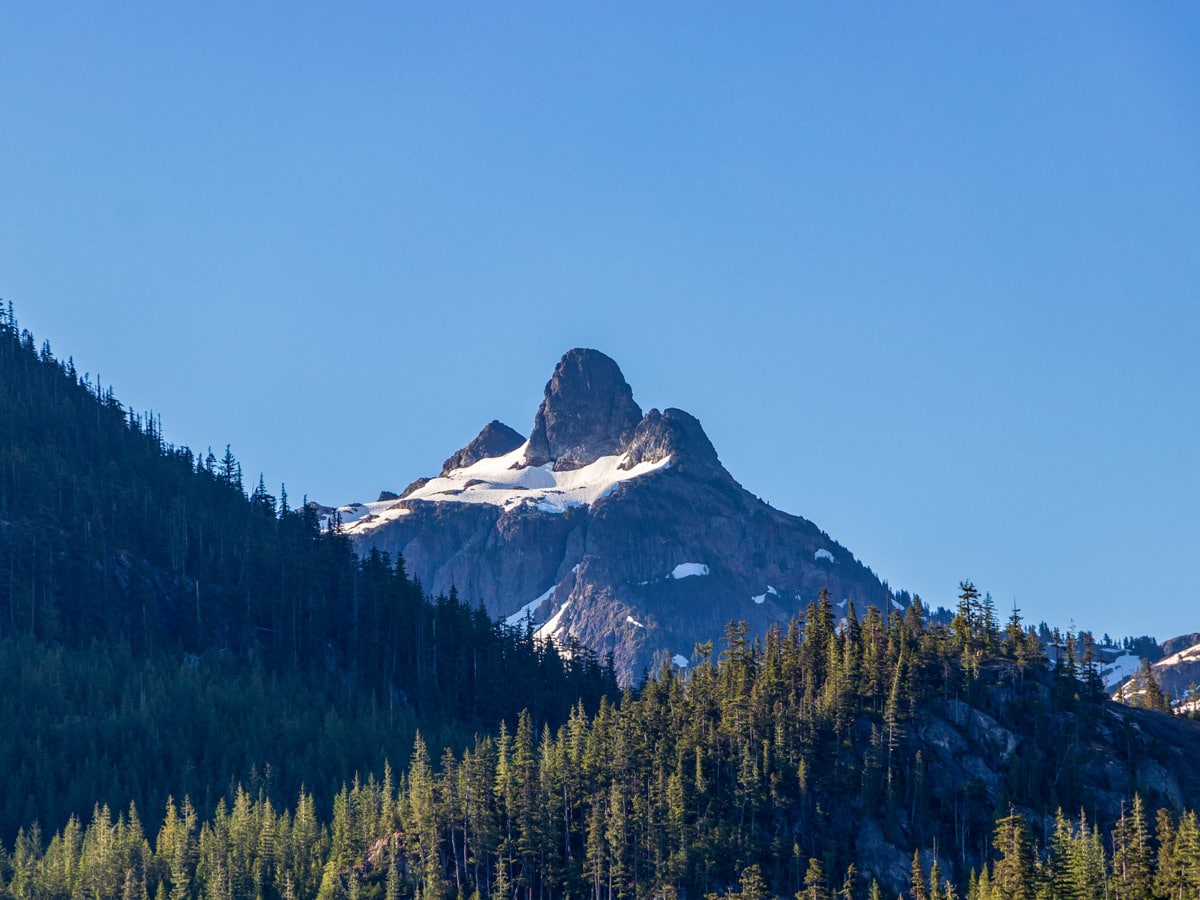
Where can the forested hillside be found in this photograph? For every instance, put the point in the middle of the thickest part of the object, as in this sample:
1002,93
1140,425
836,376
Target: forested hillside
161,630
884,756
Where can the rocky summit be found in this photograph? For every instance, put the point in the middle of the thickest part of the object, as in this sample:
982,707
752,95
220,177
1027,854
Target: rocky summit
608,528
588,412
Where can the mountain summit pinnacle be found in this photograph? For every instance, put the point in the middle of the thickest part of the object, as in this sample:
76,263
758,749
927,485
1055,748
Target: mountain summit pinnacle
588,412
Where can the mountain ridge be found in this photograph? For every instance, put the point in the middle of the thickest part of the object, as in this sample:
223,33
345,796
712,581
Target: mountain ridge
593,512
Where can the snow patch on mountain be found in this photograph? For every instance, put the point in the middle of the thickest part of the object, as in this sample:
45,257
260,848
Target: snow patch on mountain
632,621
506,482
527,611
1117,670
824,554
1188,705
550,629
1189,654
762,598
680,660
688,570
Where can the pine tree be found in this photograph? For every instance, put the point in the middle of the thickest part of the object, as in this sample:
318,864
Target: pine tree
753,887
814,882
1132,863
1012,875
917,890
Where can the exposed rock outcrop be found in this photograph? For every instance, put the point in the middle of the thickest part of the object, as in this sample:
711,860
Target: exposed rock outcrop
495,439
679,435
1180,642
588,412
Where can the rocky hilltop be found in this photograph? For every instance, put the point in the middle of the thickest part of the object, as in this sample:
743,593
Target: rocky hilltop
614,528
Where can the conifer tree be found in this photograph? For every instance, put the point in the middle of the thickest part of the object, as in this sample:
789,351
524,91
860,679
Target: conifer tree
1012,875
917,889
1132,862
814,882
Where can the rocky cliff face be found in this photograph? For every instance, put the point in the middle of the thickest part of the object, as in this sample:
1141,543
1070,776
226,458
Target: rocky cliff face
588,412
618,529
496,439
979,757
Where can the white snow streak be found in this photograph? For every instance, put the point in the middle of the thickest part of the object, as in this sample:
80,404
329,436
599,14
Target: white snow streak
527,611
551,627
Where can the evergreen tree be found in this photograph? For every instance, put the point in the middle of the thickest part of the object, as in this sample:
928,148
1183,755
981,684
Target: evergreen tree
814,883
1132,862
1012,875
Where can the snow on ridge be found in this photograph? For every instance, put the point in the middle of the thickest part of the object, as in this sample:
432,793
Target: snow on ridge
632,621
361,517
680,660
549,630
505,481
1188,654
688,570
527,611
824,554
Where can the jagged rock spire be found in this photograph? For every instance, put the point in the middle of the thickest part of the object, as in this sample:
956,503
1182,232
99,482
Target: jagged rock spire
588,412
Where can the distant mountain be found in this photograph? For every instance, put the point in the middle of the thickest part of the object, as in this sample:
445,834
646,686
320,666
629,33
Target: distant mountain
1175,665
1179,672
1177,643
617,529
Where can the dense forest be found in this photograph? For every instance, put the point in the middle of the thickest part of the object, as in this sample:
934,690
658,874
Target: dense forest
161,629
202,691
750,778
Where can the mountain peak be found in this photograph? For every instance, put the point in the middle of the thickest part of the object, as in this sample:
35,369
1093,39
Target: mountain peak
620,530
587,412
496,439
677,434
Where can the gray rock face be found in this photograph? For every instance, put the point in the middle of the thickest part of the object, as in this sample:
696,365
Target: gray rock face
966,752
495,439
1180,642
881,859
677,434
588,412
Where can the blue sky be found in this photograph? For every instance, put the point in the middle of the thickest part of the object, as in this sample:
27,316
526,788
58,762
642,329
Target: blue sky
929,274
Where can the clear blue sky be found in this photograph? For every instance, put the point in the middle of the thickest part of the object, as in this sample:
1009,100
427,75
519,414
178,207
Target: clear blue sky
929,274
